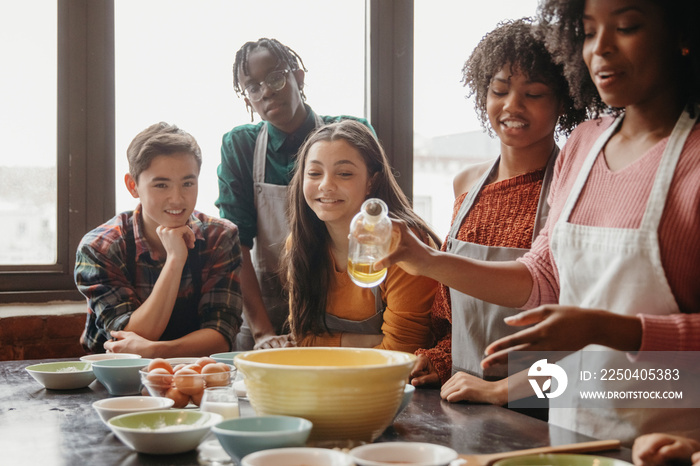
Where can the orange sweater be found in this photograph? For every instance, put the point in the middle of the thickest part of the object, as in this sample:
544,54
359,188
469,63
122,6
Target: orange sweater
408,301
503,215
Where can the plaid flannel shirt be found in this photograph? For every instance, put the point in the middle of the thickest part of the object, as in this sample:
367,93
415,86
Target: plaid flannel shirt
103,276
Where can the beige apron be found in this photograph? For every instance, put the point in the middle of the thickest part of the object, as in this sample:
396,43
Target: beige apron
273,229
476,323
618,270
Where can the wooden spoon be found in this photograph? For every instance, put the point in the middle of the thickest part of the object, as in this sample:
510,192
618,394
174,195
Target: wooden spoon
490,458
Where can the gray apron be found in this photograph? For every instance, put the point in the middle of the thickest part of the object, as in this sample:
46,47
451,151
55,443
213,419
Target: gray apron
370,326
273,229
476,323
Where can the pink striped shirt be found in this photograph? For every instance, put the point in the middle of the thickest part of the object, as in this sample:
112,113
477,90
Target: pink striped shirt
618,200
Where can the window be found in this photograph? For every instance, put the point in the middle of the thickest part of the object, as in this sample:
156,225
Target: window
174,62
57,130
352,69
447,133
28,161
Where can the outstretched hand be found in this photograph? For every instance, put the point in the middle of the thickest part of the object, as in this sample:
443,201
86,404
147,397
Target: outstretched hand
407,251
558,328
566,328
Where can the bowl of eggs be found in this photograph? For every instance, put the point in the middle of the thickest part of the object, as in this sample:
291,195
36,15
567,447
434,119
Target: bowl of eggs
347,393
185,381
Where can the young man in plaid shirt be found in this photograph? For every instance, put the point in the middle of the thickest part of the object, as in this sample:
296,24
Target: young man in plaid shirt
162,280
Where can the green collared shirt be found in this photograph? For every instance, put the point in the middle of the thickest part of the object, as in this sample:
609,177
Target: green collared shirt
236,193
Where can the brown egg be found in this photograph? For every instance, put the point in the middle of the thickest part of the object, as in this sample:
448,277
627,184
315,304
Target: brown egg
197,399
216,374
160,363
178,367
201,362
188,381
160,377
194,367
181,399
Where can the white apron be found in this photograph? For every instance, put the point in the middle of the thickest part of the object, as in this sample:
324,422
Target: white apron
476,323
273,229
618,270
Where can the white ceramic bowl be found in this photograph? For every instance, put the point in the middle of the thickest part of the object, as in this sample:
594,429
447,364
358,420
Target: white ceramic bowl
301,456
103,356
163,432
111,407
62,375
408,453
347,393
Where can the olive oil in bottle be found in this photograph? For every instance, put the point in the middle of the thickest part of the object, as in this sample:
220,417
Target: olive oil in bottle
370,238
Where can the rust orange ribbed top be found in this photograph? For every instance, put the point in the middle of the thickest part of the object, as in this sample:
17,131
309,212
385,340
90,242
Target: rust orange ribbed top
503,215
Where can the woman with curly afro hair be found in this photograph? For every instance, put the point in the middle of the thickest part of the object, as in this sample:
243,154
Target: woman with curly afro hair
618,263
522,97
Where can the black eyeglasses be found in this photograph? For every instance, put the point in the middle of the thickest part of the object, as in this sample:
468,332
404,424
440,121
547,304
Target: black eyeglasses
274,81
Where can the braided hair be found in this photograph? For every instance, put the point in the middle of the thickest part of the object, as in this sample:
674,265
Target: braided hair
514,43
561,26
282,52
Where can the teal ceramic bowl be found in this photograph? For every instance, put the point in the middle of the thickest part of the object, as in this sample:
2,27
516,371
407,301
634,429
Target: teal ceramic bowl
163,432
120,376
246,435
226,357
561,460
62,375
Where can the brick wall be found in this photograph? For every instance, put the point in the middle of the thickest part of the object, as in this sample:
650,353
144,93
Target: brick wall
41,336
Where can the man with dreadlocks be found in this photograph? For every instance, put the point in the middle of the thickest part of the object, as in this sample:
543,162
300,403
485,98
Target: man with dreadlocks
257,163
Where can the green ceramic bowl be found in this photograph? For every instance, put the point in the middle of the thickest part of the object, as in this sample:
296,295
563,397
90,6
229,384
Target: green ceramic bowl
163,432
561,460
62,375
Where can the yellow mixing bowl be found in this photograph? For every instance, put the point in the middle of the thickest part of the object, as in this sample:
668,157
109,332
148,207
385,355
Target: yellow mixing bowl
347,393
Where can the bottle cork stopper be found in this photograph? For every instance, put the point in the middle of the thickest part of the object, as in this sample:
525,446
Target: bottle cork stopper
373,209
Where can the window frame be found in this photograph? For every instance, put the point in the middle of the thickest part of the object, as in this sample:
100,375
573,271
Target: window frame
84,148
86,128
